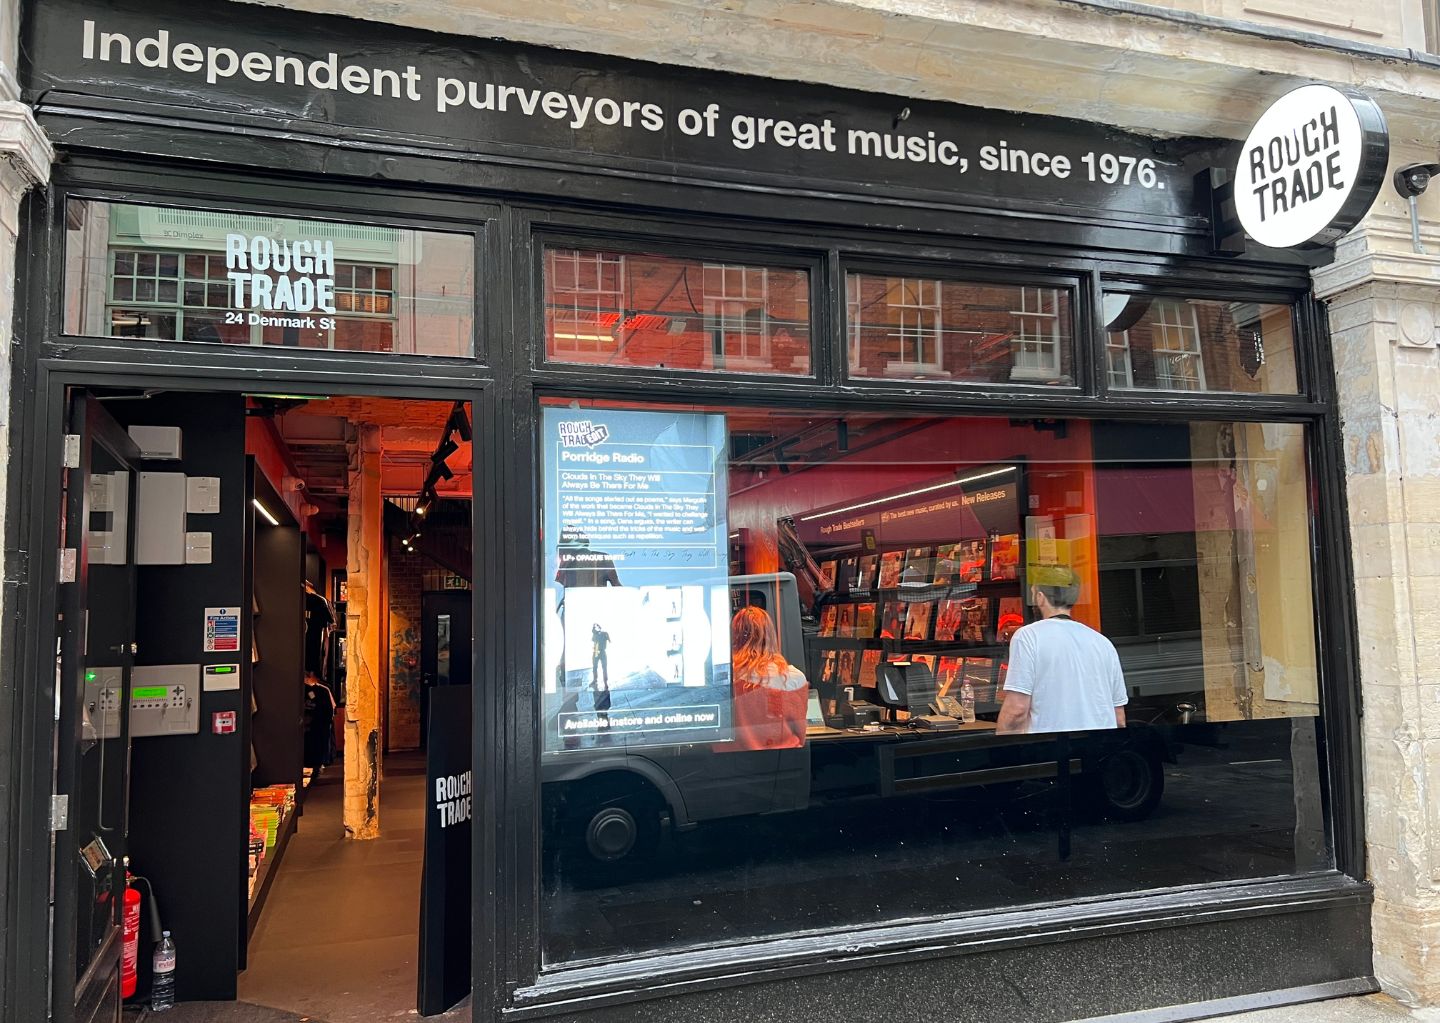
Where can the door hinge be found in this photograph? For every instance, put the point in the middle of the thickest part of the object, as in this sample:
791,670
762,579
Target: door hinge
72,451
68,558
59,813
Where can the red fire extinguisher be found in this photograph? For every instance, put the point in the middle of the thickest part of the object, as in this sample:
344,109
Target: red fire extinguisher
130,929
130,938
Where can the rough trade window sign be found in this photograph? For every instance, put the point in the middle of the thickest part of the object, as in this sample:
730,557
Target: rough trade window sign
1311,167
280,275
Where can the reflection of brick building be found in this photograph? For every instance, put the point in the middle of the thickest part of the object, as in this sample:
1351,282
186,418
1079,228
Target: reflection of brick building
1197,345
625,309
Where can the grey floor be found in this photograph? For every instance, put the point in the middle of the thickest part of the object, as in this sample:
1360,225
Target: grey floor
338,937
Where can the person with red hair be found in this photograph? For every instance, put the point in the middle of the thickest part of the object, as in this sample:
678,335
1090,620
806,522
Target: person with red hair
768,694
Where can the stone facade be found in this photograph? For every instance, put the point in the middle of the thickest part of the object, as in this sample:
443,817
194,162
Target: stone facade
1384,301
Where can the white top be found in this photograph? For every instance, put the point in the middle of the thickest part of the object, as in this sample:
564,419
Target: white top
788,681
1071,674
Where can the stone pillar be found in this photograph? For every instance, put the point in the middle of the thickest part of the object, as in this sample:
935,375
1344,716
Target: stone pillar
25,158
365,625
1384,301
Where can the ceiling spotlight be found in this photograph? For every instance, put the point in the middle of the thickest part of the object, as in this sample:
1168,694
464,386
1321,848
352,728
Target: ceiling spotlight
460,422
423,507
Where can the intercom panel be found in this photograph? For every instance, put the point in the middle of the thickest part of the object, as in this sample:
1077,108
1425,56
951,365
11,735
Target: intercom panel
165,700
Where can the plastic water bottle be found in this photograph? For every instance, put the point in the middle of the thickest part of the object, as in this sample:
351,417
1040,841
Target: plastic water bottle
162,985
967,703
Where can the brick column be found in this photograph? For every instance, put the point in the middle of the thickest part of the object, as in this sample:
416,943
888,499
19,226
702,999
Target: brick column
1384,304
365,625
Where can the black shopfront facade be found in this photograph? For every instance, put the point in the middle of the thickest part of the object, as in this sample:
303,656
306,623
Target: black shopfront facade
858,301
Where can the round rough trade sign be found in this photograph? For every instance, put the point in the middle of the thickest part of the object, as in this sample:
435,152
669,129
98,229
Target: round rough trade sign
1311,167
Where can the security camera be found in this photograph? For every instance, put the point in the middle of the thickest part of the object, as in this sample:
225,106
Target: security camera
1412,179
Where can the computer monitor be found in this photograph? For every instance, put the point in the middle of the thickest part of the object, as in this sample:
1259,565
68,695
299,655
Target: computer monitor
906,685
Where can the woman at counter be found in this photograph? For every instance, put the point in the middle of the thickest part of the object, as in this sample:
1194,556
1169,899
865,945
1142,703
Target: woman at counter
768,693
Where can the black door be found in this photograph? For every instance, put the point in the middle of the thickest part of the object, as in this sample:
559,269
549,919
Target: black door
95,655
444,644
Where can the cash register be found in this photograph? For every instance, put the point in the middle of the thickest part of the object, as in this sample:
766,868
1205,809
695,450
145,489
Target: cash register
910,686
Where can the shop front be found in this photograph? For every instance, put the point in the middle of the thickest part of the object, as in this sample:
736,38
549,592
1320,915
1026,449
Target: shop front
789,407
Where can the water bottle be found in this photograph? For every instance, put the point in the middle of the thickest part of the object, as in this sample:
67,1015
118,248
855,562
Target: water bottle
967,702
162,984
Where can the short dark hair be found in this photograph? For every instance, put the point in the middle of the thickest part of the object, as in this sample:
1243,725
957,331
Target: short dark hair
1060,585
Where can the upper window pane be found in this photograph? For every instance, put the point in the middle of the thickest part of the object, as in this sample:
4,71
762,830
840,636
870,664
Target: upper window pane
1184,344
920,329
167,274
666,312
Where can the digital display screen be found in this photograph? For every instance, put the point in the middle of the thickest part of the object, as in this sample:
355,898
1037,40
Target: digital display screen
149,693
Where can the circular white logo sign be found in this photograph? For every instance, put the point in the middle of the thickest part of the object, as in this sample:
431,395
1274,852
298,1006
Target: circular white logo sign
1311,167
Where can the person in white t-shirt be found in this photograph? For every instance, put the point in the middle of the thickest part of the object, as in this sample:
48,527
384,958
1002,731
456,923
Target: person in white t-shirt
1063,675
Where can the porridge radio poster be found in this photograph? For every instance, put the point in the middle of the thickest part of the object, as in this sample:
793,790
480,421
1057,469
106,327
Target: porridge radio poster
636,637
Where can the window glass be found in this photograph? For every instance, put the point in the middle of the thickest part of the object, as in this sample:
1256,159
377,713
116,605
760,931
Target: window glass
168,274
817,670
1180,344
666,312
920,329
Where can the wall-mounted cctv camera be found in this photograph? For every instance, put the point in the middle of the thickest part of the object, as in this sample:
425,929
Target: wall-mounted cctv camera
1412,179
1411,182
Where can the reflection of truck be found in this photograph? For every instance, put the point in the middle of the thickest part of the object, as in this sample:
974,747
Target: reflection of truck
610,804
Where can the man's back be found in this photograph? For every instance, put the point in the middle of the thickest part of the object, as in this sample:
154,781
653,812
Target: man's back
1071,674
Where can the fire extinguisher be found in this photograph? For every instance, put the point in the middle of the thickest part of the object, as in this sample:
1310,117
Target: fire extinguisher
130,938
130,930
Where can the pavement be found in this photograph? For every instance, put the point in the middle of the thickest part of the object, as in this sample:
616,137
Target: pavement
1371,1009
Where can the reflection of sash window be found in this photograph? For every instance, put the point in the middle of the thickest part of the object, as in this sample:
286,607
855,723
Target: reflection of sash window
916,326
1036,345
1117,359
1175,334
736,300
588,289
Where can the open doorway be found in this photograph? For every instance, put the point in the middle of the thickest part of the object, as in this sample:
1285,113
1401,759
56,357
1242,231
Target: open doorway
296,573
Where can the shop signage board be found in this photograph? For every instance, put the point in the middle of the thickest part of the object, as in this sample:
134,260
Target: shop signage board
528,106
444,976
1311,167
637,581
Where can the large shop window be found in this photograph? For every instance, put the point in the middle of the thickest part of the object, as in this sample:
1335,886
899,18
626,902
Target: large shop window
168,274
628,309
917,328
1186,344
792,676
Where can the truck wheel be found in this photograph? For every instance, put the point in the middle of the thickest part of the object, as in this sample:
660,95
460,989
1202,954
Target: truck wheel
615,828
1128,785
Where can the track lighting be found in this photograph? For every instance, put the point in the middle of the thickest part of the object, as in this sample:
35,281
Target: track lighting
460,422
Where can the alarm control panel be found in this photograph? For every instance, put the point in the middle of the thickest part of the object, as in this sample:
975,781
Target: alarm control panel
164,700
